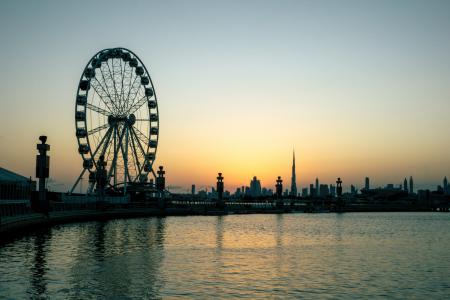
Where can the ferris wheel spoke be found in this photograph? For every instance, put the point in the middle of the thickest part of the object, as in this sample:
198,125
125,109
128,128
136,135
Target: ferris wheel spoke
122,69
97,129
129,85
137,89
113,167
112,76
107,89
137,105
135,153
119,137
130,88
128,82
137,165
125,155
138,141
141,136
111,138
98,109
101,142
105,145
102,93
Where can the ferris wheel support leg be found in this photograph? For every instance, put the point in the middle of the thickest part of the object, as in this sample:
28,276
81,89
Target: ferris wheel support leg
153,172
115,158
78,180
125,162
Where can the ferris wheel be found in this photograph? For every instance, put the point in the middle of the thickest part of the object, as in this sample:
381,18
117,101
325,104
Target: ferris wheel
116,120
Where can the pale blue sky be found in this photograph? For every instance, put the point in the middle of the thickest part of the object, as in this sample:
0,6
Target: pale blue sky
360,88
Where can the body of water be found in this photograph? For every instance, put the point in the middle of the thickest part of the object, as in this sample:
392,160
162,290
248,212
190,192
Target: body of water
336,256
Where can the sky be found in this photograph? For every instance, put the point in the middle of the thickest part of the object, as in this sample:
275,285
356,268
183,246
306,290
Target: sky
358,88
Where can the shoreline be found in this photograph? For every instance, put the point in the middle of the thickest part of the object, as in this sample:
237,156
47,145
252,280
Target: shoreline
19,225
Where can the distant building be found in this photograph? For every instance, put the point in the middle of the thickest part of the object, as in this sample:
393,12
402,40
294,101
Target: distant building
405,185
423,196
293,178
353,190
255,187
324,190
247,191
317,188
411,185
213,194
264,191
14,186
202,194
392,187
446,186
268,192
367,184
312,190
305,192
193,189
332,190
238,193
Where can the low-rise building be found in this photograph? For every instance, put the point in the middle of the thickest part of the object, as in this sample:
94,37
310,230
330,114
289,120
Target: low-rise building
14,186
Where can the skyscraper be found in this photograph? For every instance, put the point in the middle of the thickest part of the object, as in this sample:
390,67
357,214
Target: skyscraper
317,187
332,190
293,178
446,186
305,192
312,191
255,187
367,185
405,185
353,190
411,185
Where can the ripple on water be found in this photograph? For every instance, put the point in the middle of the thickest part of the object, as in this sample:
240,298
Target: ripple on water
345,256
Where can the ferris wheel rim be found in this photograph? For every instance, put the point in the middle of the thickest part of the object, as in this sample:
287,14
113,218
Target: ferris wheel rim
91,155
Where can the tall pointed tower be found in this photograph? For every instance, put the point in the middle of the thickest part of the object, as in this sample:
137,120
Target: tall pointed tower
294,177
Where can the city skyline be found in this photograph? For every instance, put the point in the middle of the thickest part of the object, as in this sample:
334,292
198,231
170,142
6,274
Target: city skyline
363,94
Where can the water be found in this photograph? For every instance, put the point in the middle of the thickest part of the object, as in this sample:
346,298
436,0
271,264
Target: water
338,256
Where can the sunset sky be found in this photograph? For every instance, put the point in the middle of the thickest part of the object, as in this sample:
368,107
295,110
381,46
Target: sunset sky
358,88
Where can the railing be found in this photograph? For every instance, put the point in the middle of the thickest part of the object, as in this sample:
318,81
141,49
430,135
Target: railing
13,208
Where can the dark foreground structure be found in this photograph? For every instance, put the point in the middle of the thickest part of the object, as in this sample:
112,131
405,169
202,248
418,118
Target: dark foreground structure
19,217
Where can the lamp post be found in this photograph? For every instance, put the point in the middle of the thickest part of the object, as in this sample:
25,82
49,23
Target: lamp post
279,192
42,172
220,202
160,186
339,201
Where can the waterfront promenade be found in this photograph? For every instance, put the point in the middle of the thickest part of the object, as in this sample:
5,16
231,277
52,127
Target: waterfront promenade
16,220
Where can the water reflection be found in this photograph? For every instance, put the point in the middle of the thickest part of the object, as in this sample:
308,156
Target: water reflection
39,265
279,232
99,241
159,234
257,256
118,258
219,234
